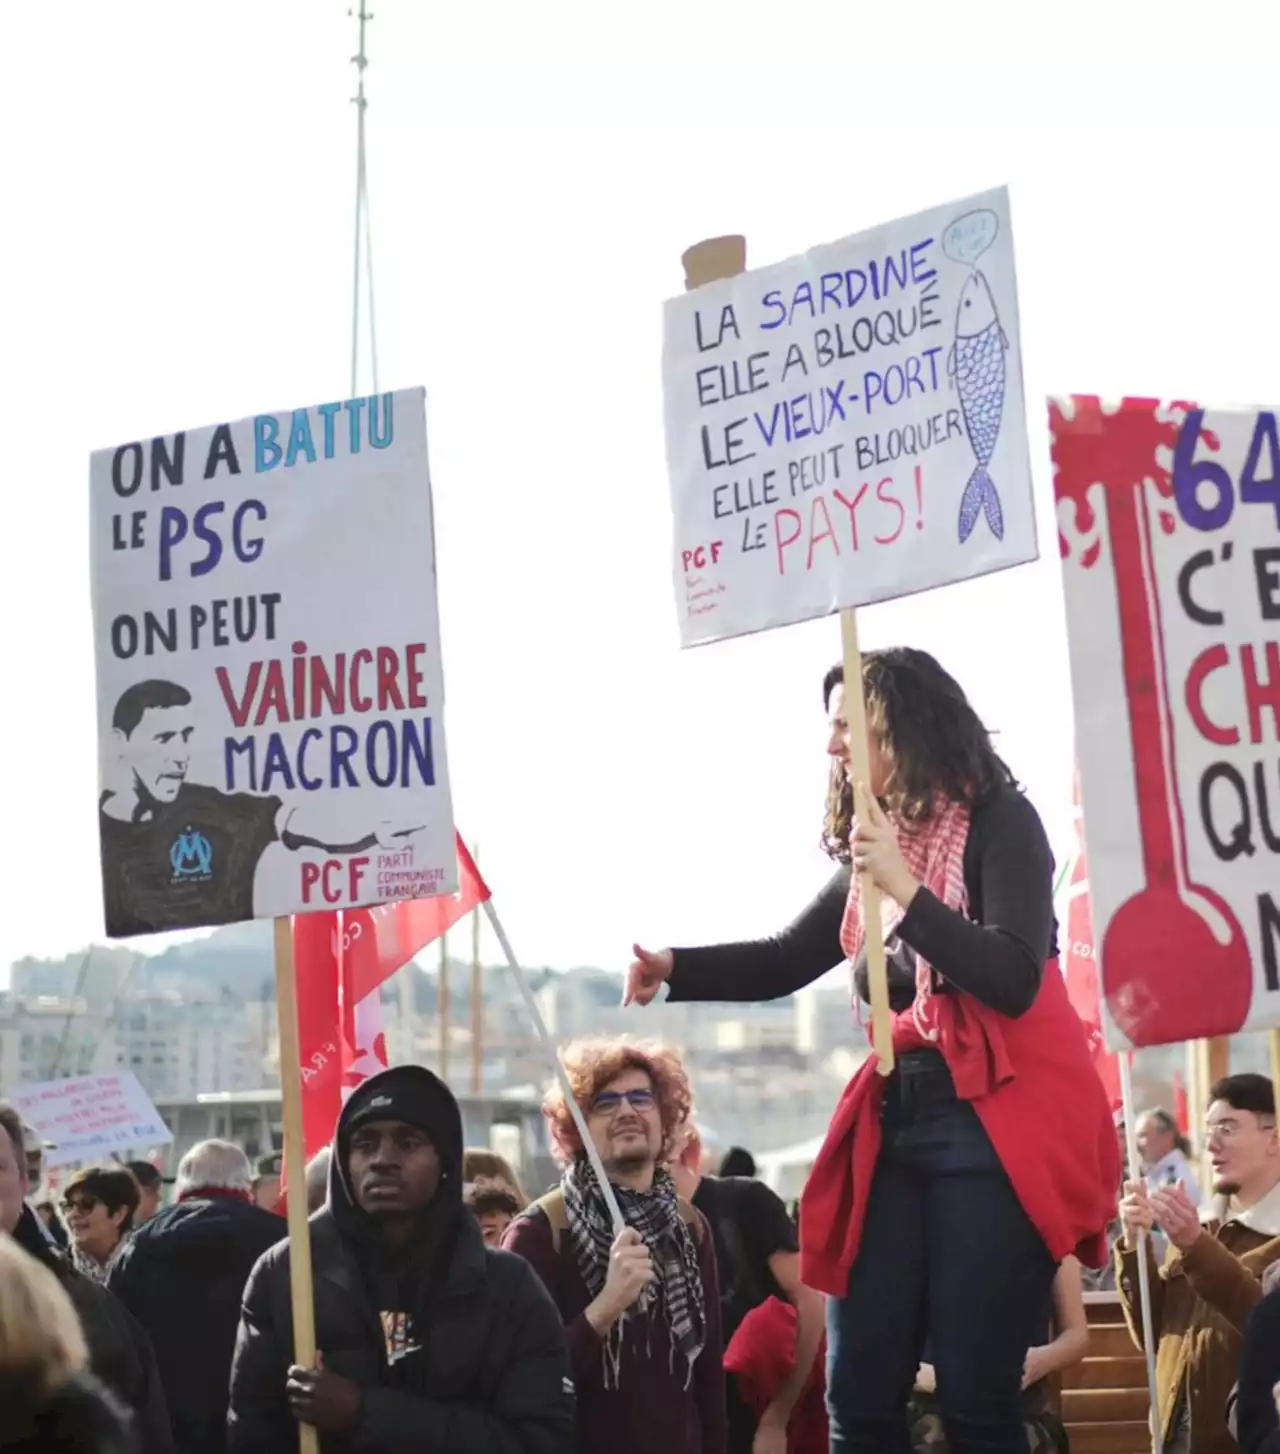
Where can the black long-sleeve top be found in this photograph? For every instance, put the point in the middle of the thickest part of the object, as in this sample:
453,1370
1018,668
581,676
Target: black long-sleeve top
997,954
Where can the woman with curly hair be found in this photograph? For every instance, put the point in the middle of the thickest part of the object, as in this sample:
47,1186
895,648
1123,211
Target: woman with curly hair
947,1193
49,1404
641,1310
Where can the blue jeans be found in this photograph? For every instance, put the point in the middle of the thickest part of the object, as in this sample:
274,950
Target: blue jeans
948,1257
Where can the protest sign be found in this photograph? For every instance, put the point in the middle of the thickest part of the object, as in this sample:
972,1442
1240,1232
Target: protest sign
270,690
91,1117
1169,522
848,426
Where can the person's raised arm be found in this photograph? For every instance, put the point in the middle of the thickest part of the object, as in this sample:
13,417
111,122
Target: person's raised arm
755,969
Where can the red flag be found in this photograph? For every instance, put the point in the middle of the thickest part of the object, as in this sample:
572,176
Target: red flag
341,960
1080,965
383,938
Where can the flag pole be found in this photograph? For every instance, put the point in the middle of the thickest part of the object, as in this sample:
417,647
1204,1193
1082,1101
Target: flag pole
442,1006
295,1171
540,1029
477,995
710,261
1144,1274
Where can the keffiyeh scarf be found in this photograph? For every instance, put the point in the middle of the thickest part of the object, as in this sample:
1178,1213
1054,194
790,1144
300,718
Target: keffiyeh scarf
94,1270
934,853
674,1296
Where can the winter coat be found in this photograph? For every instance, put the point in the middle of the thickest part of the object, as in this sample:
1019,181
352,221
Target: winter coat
120,1354
462,1350
1200,1304
182,1275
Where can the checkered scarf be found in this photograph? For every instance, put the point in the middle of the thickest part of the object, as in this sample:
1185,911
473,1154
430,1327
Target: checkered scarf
675,1295
934,853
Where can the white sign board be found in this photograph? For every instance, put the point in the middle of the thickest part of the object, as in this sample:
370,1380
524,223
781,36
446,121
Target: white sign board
91,1117
270,693
848,426
1170,525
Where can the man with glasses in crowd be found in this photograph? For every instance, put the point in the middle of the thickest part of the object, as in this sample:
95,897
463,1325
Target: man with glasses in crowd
1203,1295
641,1309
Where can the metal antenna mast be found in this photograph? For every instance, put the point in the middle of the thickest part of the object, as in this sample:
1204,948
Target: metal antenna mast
363,233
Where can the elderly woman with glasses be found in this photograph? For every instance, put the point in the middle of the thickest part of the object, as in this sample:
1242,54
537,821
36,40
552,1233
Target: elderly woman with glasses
99,1206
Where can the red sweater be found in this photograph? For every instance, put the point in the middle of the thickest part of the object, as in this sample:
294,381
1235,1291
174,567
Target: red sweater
761,1356
1033,1085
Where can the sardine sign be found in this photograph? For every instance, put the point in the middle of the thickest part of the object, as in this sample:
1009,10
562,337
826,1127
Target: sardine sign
848,426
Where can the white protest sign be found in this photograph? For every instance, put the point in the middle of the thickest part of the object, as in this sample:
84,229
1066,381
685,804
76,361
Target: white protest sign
270,692
848,426
1170,527
90,1117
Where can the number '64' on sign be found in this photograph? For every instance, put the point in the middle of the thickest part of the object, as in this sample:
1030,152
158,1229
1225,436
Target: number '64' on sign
1205,492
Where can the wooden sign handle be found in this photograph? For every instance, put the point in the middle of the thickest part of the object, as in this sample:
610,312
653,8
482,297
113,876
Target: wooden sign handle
855,709
710,261
301,1285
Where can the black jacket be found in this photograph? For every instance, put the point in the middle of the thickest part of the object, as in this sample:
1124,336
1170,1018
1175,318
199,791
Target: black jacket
483,1368
78,1417
120,1353
1256,1425
195,1255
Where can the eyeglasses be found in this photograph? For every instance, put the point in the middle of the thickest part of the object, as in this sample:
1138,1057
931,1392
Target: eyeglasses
83,1205
607,1103
1230,1130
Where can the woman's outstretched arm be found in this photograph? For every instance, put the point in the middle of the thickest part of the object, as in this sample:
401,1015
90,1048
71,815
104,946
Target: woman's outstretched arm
767,969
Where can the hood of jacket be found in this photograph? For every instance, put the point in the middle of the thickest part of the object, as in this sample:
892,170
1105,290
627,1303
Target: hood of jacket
412,1094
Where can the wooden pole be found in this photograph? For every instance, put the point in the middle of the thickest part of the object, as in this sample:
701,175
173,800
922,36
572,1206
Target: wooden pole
710,261
442,1006
295,1167
477,996
1144,1274
855,711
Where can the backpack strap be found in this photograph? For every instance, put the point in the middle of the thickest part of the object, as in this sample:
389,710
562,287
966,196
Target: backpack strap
691,1219
552,1207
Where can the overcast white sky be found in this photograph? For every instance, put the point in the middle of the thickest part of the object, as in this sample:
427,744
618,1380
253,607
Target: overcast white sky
177,184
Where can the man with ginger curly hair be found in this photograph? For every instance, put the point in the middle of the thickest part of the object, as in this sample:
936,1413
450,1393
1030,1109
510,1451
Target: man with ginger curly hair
642,1310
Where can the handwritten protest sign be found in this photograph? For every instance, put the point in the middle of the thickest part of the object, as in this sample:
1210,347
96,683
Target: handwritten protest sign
89,1117
848,426
270,690
1170,536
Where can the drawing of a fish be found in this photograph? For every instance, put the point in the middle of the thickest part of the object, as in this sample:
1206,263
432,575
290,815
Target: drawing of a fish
976,363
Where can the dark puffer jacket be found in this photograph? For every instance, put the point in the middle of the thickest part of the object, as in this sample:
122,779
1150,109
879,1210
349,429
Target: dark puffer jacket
120,1354
469,1356
78,1417
182,1276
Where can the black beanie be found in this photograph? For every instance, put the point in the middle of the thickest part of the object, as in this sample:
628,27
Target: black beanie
408,1093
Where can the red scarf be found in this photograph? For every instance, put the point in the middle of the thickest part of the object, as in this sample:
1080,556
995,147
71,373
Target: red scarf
215,1192
1031,1080
934,854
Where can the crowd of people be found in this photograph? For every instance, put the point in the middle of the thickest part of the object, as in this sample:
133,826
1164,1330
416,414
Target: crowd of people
927,1294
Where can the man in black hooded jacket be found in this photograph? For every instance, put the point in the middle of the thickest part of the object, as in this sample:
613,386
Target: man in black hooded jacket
428,1340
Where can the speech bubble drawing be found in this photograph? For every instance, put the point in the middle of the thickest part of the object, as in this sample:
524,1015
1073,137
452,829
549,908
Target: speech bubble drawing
968,237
